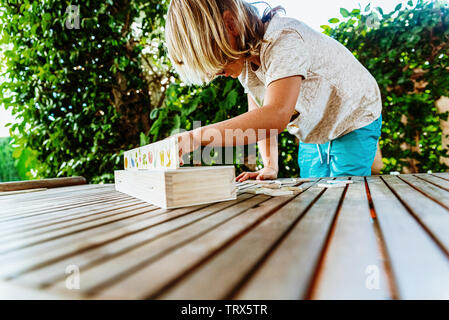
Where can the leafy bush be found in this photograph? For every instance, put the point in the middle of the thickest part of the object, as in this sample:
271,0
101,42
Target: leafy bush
83,96
407,52
8,170
80,94
12,169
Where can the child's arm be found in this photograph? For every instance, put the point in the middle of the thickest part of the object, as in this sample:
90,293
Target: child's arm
269,151
271,119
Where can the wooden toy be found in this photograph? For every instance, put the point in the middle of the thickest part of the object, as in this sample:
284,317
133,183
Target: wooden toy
339,181
331,185
173,188
158,155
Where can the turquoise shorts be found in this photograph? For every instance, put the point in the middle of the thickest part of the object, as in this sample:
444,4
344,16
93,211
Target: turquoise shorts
350,155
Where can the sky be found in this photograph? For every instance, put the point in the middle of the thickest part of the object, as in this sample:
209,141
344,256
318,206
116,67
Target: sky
314,13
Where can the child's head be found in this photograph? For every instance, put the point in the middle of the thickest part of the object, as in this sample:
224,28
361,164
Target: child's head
206,36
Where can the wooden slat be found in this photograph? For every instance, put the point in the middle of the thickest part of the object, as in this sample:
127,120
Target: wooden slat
19,261
444,175
22,205
175,232
48,215
228,269
352,250
36,228
431,214
14,292
435,192
150,279
420,267
73,229
59,192
9,193
17,212
14,212
442,183
43,183
256,247
210,218
288,270
53,216
55,193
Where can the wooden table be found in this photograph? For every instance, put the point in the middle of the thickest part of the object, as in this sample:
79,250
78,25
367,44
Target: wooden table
382,237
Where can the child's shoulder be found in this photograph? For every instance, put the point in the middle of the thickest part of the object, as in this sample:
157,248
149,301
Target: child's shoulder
280,24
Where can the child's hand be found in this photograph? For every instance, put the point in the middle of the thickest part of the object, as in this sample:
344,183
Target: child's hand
263,174
186,144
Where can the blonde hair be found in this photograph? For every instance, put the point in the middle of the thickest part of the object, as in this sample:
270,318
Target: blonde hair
197,40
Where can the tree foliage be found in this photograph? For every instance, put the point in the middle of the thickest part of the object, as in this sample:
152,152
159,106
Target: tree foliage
12,169
8,170
81,95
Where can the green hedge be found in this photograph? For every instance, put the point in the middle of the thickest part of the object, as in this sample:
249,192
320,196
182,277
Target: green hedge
81,94
13,166
407,52
8,170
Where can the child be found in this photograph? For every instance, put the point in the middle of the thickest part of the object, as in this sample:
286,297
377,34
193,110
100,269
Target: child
295,78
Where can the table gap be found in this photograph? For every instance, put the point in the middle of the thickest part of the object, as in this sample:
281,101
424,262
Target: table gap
431,182
438,176
76,231
142,243
259,264
391,281
146,262
413,214
97,245
425,193
314,278
172,282
87,217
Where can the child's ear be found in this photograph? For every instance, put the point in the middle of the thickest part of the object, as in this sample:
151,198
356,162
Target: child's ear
229,22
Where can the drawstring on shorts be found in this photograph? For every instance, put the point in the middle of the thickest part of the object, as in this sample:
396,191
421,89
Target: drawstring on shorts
319,152
328,152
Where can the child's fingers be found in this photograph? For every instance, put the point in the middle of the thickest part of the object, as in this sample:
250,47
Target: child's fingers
243,174
244,177
181,163
239,176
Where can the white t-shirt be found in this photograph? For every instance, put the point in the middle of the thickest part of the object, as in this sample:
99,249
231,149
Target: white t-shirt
338,94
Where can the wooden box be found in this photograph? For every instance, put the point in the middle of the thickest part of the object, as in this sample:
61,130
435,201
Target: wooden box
181,187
